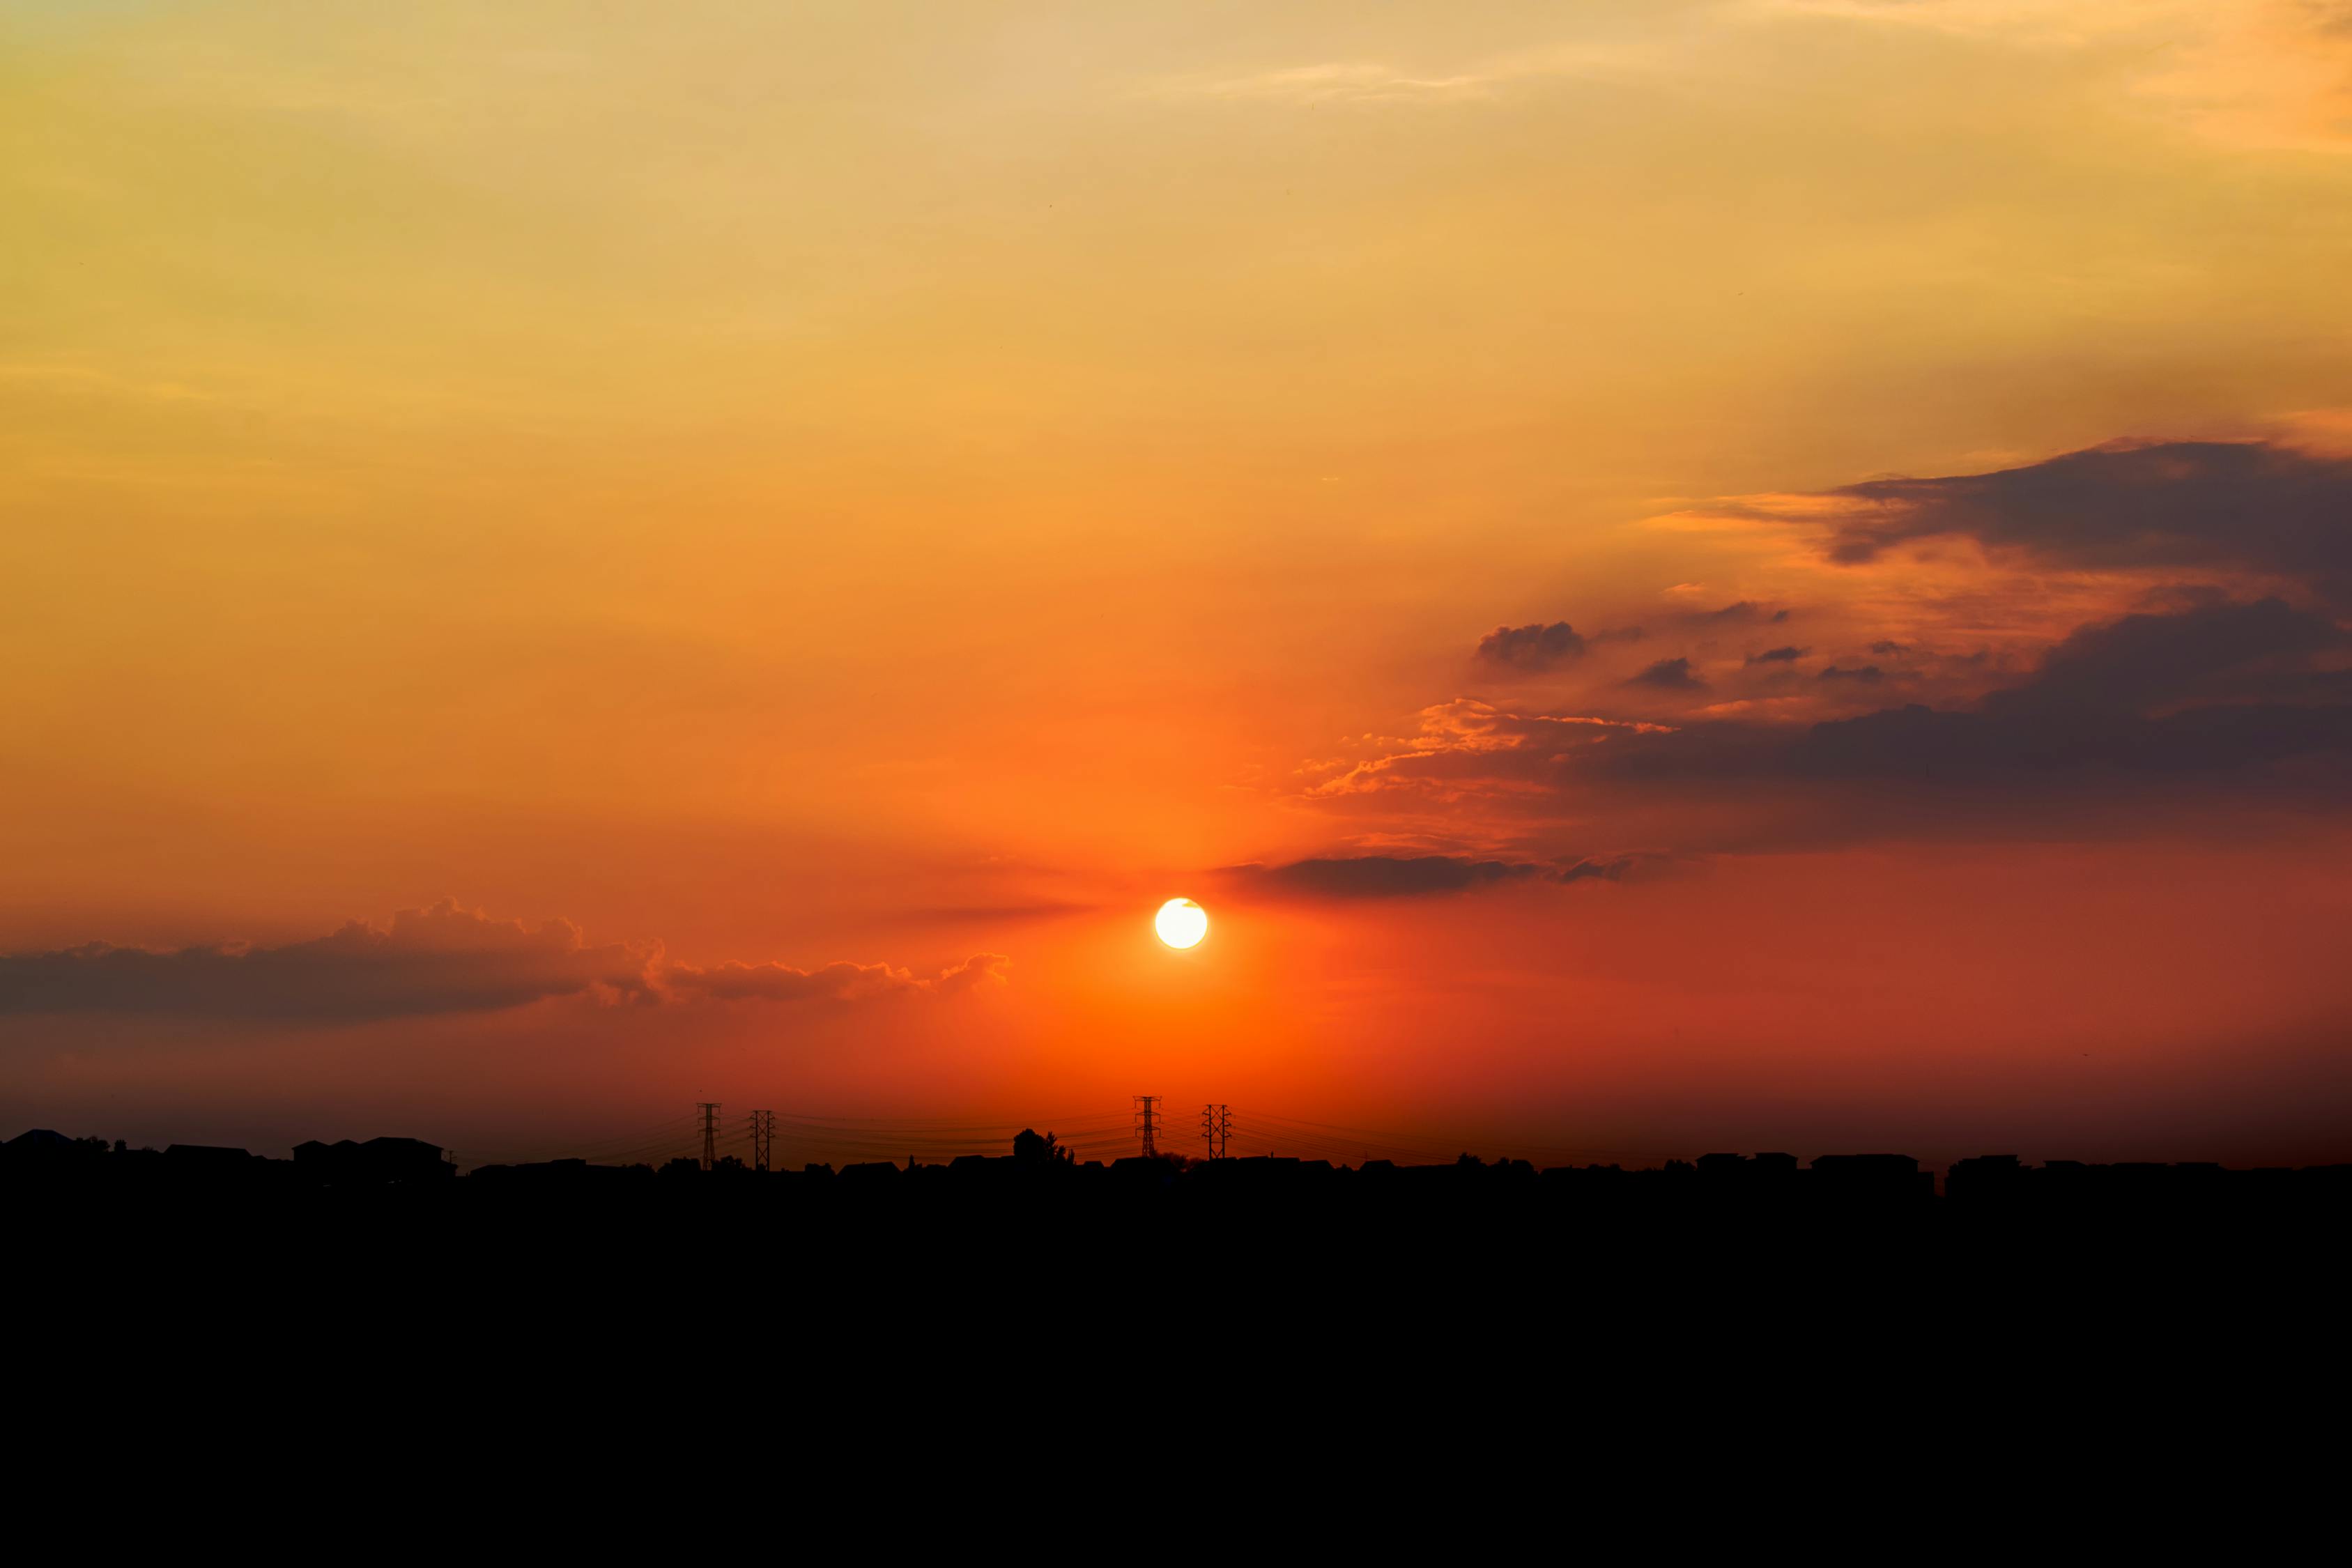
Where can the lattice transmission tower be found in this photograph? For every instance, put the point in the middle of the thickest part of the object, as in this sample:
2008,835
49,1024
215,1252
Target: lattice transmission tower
709,1109
763,1139
1147,1122
1216,1128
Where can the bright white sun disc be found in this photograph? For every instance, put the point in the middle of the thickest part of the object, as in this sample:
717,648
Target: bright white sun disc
1181,922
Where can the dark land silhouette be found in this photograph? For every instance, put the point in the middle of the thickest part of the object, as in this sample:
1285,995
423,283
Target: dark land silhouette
1756,1292
44,1173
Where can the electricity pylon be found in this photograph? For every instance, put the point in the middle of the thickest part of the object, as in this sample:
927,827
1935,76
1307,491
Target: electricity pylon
1216,1127
1146,1112
763,1139
709,1109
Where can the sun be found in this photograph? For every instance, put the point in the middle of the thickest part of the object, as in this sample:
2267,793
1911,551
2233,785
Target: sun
1181,922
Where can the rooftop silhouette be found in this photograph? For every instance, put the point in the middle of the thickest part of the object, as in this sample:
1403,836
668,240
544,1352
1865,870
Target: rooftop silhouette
43,1167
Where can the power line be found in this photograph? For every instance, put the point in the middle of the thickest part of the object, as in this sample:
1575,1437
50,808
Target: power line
810,1136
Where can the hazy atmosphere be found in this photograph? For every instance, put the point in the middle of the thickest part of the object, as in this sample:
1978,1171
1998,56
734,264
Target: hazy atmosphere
1758,574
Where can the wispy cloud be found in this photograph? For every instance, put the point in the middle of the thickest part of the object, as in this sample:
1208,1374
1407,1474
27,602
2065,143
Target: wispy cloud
440,960
1469,743
1383,83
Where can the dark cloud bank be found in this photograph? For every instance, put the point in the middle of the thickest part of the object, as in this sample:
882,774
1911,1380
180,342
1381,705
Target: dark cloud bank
2214,684
2224,688
2248,505
2214,689
2245,680
1406,877
444,959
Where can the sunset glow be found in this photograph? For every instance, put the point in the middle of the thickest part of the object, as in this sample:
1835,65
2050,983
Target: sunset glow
1682,574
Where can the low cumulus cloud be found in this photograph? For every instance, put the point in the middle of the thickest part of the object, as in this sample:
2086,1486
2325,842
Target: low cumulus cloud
1409,876
443,959
1531,648
1668,675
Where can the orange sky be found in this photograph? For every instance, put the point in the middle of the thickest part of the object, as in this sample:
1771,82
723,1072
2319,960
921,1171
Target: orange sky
912,487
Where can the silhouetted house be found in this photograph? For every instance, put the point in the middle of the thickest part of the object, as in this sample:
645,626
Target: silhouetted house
1986,1179
1750,1181
1135,1170
210,1162
379,1162
534,1171
1870,1178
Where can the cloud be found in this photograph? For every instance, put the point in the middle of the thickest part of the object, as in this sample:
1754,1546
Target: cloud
1405,876
1379,82
1466,743
1744,612
833,983
1668,675
1608,870
2245,505
2217,688
1343,81
1531,648
443,959
2157,629
2221,691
